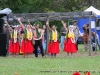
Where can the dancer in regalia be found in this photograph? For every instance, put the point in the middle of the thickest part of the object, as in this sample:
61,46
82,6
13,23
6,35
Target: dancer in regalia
21,33
53,46
27,46
38,34
69,44
14,45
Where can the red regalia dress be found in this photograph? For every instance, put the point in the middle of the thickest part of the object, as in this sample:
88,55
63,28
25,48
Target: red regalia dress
53,46
14,49
10,44
27,46
69,46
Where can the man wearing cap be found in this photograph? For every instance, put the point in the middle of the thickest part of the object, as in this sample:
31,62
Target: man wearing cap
76,32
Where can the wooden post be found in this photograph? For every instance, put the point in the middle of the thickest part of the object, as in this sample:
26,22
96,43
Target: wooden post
47,40
95,35
89,39
68,22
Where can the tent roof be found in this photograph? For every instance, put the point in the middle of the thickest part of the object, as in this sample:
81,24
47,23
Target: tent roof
5,12
95,11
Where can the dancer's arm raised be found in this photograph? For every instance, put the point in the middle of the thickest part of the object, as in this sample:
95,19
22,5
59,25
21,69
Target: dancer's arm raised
21,23
47,24
8,25
29,22
64,25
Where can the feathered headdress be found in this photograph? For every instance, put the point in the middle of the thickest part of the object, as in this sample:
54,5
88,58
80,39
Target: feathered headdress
71,26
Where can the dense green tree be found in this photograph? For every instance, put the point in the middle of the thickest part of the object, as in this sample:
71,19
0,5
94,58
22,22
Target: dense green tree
41,6
30,6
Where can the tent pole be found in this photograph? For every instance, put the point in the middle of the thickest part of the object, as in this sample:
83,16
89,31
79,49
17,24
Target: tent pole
89,38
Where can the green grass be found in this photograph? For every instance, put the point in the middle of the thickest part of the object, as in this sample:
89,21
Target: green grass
51,66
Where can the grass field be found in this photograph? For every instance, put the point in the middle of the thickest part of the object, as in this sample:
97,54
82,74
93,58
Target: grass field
61,65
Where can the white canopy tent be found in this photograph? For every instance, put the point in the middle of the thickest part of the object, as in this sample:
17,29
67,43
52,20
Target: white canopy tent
95,11
5,11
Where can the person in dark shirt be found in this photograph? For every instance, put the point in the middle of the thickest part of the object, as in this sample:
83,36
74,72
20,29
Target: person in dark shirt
62,33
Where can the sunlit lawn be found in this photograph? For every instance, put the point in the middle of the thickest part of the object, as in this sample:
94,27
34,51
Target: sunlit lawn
61,65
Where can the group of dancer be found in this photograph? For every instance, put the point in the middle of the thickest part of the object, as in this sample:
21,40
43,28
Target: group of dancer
26,39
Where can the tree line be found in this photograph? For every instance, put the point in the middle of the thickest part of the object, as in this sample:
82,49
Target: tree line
41,6
30,6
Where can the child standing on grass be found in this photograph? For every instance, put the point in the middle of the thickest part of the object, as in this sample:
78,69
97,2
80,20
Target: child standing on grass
53,46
